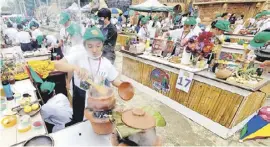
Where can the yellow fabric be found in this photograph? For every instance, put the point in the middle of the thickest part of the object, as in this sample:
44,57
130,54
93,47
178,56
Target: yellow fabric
42,67
263,132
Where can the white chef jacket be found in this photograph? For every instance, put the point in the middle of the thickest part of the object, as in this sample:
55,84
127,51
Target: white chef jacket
266,25
23,37
11,33
36,33
57,111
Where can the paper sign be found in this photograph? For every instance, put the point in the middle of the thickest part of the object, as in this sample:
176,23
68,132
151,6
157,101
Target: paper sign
184,80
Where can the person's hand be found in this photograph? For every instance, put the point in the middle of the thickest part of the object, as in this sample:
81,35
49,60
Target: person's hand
50,48
266,63
82,73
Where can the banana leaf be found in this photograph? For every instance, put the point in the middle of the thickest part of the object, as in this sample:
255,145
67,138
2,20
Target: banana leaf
160,121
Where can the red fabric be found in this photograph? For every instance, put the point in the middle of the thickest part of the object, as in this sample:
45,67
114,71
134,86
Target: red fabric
265,113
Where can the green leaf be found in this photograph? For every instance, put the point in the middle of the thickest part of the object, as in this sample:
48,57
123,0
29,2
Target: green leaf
125,131
160,121
243,132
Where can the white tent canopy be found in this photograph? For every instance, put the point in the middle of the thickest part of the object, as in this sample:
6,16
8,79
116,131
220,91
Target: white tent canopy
151,5
73,7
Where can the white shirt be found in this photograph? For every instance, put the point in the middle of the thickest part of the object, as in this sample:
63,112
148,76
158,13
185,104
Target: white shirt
11,33
57,111
175,34
81,59
51,40
196,31
36,33
23,37
142,34
114,21
266,25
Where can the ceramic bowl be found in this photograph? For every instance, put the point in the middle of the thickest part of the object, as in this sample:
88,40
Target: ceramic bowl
126,91
37,125
101,126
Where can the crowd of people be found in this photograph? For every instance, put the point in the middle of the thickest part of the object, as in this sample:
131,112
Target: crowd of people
88,51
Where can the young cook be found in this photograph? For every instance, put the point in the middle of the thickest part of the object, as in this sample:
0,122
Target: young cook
90,65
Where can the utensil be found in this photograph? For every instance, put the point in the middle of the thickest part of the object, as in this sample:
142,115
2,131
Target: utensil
41,140
101,89
126,91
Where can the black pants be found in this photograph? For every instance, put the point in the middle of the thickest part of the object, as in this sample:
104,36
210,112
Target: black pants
35,45
78,103
26,47
58,51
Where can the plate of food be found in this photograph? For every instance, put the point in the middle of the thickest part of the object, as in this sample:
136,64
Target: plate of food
30,110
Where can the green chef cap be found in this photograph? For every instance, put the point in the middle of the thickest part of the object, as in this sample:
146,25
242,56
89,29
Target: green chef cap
156,18
141,16
260,39
93,33
259,15
32,24
18,20
223,25
40,39
74,29
64,17
190,21
47,86
144,21
218,15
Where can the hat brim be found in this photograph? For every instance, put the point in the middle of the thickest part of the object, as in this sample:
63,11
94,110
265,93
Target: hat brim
255,44
62,21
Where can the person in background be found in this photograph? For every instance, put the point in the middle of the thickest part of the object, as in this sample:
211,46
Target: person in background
24,39
90,65
261,45
143,33
225,16
120,19
35,32
114,20
110,33
240,20
10,34
51,43
232,18
56,111
137,28
70,34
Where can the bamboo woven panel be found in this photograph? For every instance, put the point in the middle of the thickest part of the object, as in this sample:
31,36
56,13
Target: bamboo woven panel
266,89
173,91
132,68
252,103
147,69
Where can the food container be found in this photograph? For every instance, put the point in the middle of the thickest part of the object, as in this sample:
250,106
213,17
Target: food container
9,121
126,91
98,102
41,140
223,73
100,126
37,125
17,96
3,106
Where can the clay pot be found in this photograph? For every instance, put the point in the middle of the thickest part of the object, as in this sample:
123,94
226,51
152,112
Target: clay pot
223,73
126,91
139,119
115,142
101,103
101,126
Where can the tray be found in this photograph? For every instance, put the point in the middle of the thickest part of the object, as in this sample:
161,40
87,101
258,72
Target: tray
32,113
41,140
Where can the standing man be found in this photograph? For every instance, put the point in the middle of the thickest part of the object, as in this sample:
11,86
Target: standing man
110,33
70,34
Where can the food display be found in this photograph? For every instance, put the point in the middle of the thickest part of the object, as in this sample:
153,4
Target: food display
43,68
36,53
24,124
30,109
9,121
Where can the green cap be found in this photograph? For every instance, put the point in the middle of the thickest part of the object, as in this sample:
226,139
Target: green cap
265,12
148,18
260,39
40,39
32,24
64,17
156,18
190,21
18,20
141,16
74,29
144,21
93,33
223,25
47,86
177,19
259,15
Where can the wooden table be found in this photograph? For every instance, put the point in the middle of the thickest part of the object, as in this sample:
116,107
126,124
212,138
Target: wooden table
122,38
80,134
10,136
220,107
237,37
